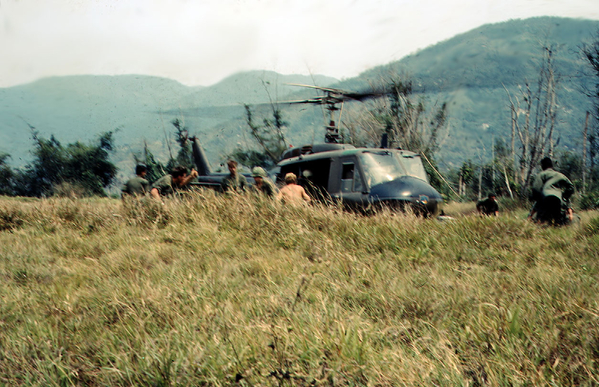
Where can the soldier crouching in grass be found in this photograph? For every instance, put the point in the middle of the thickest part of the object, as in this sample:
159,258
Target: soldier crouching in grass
168,184
235,182
138,185
551,192
262,183
489,206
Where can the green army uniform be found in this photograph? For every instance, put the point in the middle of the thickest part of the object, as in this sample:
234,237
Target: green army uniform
137,186
552,183
164,185
235,183
551,191
268,188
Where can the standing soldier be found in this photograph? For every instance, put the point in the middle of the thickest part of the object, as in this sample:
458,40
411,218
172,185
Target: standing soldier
138,185
263,183
235,182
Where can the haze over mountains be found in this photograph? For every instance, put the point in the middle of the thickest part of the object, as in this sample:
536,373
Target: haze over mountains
468,72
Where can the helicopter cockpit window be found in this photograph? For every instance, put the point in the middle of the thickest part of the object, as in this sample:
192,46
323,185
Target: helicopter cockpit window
350,178
413,165
384,166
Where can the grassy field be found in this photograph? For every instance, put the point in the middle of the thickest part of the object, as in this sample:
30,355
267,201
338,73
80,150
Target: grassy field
214,291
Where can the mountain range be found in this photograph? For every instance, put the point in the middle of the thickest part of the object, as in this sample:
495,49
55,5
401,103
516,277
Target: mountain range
470,72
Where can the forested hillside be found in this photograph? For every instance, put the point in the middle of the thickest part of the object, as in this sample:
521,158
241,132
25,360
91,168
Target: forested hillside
468,72
140,107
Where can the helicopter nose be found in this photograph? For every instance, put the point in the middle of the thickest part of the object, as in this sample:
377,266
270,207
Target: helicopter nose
407,189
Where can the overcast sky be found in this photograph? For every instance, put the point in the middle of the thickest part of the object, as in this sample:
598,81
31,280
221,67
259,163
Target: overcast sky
200,42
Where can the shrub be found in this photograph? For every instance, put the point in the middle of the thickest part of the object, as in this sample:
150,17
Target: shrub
589,201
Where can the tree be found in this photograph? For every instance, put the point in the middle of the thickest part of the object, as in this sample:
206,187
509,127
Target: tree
503,162
465,177
269,137
590,53
86,167
570,164
155,169
6,176
408,121
185,155
534,113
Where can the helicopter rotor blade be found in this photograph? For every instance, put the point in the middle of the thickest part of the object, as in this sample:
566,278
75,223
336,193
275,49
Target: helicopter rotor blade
315,100
344,95
329,89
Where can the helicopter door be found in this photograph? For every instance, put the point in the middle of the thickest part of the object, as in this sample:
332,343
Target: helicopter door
350,178
352,185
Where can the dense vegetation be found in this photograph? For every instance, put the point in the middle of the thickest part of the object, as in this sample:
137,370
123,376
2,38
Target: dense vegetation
209,290
76,169
466,72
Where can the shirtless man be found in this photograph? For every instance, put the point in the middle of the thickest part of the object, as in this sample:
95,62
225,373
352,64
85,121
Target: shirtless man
291,192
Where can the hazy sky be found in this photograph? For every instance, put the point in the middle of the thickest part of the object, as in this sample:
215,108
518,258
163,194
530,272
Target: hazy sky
200,42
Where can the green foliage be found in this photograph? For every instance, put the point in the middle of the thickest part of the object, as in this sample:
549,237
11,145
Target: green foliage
269,137
184,155
570,164
155,169
251,158
589,201
468,77
590,52
78,168
6,176
467,171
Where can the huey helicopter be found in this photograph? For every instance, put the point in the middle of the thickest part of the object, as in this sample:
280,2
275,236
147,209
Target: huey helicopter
359,178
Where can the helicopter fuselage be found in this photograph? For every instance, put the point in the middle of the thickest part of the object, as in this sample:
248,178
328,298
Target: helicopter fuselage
359,178
363,177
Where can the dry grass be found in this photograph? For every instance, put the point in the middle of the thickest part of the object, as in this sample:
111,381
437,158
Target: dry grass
214,290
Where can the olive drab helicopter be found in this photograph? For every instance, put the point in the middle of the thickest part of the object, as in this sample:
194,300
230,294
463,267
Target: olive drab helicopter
359,178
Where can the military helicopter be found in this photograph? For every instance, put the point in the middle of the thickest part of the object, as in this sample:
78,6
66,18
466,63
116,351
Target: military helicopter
360,178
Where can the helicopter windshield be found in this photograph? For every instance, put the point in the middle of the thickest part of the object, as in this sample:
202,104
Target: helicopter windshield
384,166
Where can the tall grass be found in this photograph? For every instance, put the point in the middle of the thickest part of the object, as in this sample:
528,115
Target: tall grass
212,290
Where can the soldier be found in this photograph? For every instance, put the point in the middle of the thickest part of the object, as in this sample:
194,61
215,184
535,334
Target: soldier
551,192
168,184
489,206
291,192
138,185
263,183
235,182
